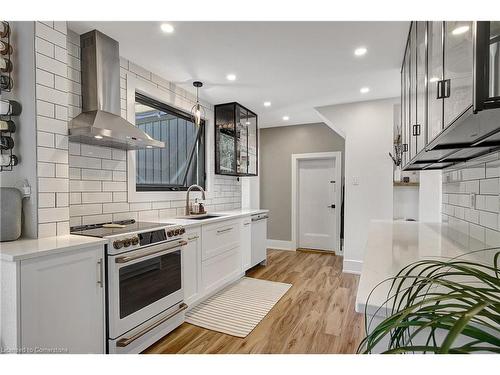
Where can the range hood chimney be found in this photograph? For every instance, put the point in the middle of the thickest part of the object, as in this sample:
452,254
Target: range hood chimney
100,122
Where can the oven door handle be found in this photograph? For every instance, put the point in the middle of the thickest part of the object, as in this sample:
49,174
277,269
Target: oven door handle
128,340
156,249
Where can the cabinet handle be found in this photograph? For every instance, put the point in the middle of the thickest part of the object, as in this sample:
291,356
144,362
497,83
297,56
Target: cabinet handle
405,147
128,340
101,273
246,224
224,230
193,238
447,88
439,90
416,130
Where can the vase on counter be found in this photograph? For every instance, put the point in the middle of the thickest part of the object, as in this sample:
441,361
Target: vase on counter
397,174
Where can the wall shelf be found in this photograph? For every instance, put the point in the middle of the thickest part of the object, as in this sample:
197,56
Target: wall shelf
406,184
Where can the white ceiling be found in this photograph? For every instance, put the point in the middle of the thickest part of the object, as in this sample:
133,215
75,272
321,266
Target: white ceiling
295,65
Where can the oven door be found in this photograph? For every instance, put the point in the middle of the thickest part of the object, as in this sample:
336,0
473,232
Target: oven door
142,284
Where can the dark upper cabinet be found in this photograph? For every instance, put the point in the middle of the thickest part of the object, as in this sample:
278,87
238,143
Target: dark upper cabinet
236,140
453,73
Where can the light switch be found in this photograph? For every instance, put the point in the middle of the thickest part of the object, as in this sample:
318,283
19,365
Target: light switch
355,180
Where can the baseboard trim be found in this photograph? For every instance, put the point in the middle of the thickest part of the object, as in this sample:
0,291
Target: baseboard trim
280,245
352,266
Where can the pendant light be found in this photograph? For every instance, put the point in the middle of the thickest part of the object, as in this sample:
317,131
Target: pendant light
197,112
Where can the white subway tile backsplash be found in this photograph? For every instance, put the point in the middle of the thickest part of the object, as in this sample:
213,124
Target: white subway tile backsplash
48,215
84,162
119,176
50,34
115,207
114,165
44,47
45,109
75,198
62,171
56,185
74,148
51,125
97,174
47,230
489,186
95,151
61,141
477,179
119,154
97,197
45,139
62,199
85,209
44,78
46,169
119,196
51,65
52,155
488,220
46,200
81,185
114,186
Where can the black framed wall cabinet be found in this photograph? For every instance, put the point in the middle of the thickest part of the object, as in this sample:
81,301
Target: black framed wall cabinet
236,140
450,92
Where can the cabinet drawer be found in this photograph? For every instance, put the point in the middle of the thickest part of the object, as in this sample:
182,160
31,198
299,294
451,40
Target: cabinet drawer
220,237
220,269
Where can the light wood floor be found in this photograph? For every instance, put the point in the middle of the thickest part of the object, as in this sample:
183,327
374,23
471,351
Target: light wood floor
315,316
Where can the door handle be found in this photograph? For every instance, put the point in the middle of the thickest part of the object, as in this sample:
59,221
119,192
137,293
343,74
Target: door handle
440,93
331,206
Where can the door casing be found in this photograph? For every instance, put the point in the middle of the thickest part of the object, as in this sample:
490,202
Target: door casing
337,156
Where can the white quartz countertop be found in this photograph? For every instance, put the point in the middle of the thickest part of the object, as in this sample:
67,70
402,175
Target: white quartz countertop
30,248
392,245
220,216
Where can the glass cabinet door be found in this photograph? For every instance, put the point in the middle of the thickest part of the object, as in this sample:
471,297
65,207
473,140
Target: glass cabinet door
413,89
252,143
225,138
434,76
406,96
242,140
421,89
458,69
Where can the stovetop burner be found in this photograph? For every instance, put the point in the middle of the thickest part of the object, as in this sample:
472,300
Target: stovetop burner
98,230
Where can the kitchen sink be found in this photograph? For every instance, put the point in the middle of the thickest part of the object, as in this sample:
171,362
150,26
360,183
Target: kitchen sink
199,217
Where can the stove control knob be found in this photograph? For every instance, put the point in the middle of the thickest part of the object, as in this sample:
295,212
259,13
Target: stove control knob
169,233
117,244
183,230
127,242
177,232
135,240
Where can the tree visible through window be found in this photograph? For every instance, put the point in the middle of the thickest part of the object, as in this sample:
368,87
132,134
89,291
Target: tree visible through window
182,162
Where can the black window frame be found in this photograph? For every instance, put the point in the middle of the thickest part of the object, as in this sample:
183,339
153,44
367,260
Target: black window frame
153,103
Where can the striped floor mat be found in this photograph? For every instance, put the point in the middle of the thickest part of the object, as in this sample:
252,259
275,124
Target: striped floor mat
237,309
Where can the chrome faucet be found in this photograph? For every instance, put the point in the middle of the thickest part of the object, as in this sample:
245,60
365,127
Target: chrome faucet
193,187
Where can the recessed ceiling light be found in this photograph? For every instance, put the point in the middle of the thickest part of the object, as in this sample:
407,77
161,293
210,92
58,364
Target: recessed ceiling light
98,136
360,51
364,90
460,30
167,28
267,104
286,118
231,77
433,79
149,146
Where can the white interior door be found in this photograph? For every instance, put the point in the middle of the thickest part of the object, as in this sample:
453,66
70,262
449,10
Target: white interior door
316,203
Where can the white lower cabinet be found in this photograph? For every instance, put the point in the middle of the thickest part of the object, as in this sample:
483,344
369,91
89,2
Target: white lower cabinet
62,302
191,266
246,243
221,254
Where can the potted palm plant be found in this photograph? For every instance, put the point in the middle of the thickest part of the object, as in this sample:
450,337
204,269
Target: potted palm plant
441,306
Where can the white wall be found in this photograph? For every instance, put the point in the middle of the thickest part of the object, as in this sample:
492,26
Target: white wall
368,129
405,203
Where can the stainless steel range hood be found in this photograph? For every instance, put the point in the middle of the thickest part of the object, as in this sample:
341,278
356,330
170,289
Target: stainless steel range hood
100,122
